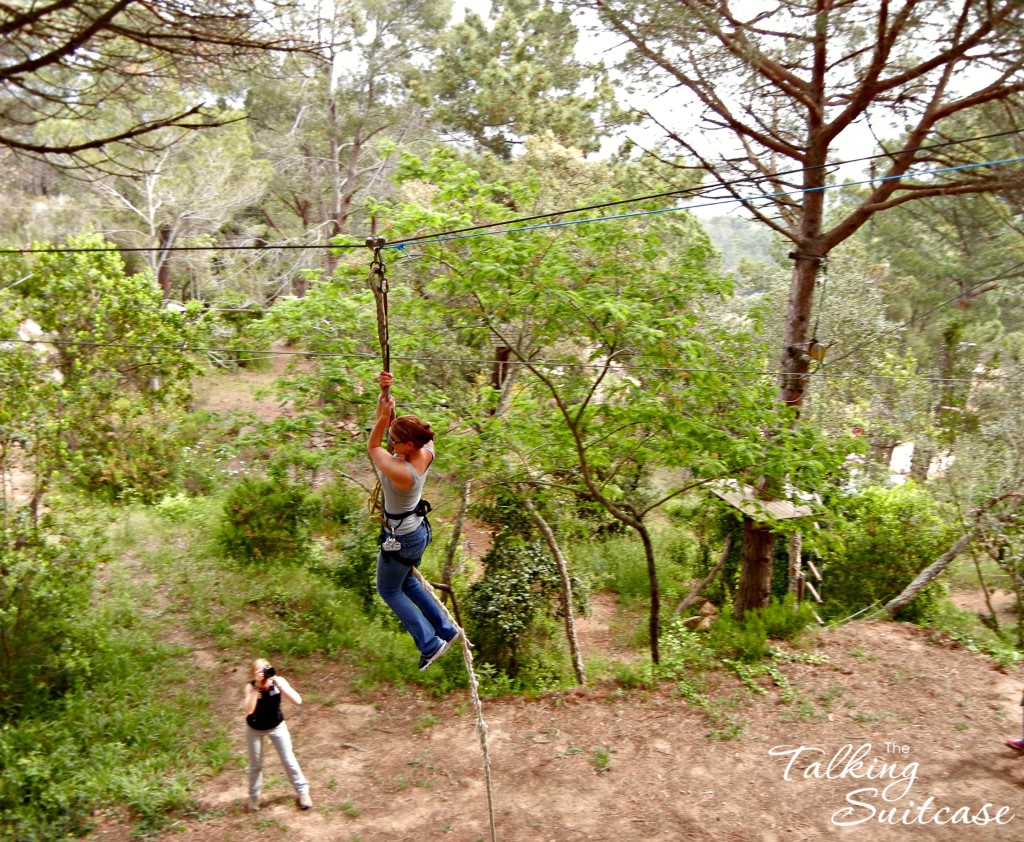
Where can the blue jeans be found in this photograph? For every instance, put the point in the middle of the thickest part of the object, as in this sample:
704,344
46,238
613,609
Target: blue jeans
413,604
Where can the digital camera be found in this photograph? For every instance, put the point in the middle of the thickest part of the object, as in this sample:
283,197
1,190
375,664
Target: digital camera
269,672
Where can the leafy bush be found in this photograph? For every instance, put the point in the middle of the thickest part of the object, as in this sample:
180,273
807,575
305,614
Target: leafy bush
177,508
83,727
741,640
683,651
266,520
138,458
887,535
95,413
784,619
518,583
112,740
746,640
351,563
337,506
45,583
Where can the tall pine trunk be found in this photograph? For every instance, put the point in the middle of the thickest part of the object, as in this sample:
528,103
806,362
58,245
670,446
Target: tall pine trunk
756,559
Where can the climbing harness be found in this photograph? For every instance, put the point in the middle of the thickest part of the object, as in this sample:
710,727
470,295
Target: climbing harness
378,281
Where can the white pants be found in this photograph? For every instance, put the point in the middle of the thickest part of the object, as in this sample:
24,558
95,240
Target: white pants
282,741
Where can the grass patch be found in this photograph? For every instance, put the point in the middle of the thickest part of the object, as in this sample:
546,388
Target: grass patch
135,749
967,630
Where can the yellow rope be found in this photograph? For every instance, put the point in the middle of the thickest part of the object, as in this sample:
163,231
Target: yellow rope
375,502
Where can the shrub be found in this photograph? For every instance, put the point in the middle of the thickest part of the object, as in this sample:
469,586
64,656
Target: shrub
683,651
740,640
266,520
747,639
519,581
45,583
350,562
887,535
784,619
133,458
337,506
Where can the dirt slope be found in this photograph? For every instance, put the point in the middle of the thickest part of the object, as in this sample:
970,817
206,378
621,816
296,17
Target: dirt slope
931,718
928,718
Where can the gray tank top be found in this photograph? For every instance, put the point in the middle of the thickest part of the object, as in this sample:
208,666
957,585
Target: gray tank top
398,500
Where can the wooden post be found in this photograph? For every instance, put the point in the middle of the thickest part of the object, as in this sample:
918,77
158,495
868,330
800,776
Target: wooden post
796,543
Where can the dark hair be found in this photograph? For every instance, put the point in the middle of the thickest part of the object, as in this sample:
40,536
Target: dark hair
411,429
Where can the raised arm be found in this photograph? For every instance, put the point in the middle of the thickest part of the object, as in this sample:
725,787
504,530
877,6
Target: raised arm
393,469
287,690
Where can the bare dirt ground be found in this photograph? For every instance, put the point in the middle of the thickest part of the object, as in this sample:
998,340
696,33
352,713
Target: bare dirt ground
894,707
901,726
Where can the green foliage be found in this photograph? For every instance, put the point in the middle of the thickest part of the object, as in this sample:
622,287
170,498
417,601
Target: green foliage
266,521
139,462
45,585
112,741
350,561
965,629
746,640
515,593
684,651
522,76
784,619
616,564
886,536
94,405
204,441
339,506
743,640
100,721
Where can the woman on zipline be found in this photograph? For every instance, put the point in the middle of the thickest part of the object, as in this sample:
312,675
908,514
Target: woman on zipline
406,531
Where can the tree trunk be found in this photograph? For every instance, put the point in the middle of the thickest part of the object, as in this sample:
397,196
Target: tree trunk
500,367
756,571
986,592
654,623
163,271
448,570
755,568
925,576
921,460
694,594
563,572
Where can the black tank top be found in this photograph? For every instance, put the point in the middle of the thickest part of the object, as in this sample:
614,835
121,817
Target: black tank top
268,710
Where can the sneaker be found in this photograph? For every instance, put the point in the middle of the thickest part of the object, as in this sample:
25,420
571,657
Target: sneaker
305,802
426,662
1016,745
254,803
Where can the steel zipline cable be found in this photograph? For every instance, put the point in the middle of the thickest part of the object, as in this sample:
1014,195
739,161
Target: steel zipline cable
507,224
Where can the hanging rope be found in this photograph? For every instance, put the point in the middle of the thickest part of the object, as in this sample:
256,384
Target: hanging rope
379,284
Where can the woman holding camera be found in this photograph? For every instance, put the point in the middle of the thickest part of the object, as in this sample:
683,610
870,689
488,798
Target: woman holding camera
263,718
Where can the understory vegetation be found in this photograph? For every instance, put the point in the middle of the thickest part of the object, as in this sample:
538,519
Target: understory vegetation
133,595
735,431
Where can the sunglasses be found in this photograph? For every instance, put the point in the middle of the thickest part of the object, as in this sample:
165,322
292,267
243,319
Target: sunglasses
391,440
